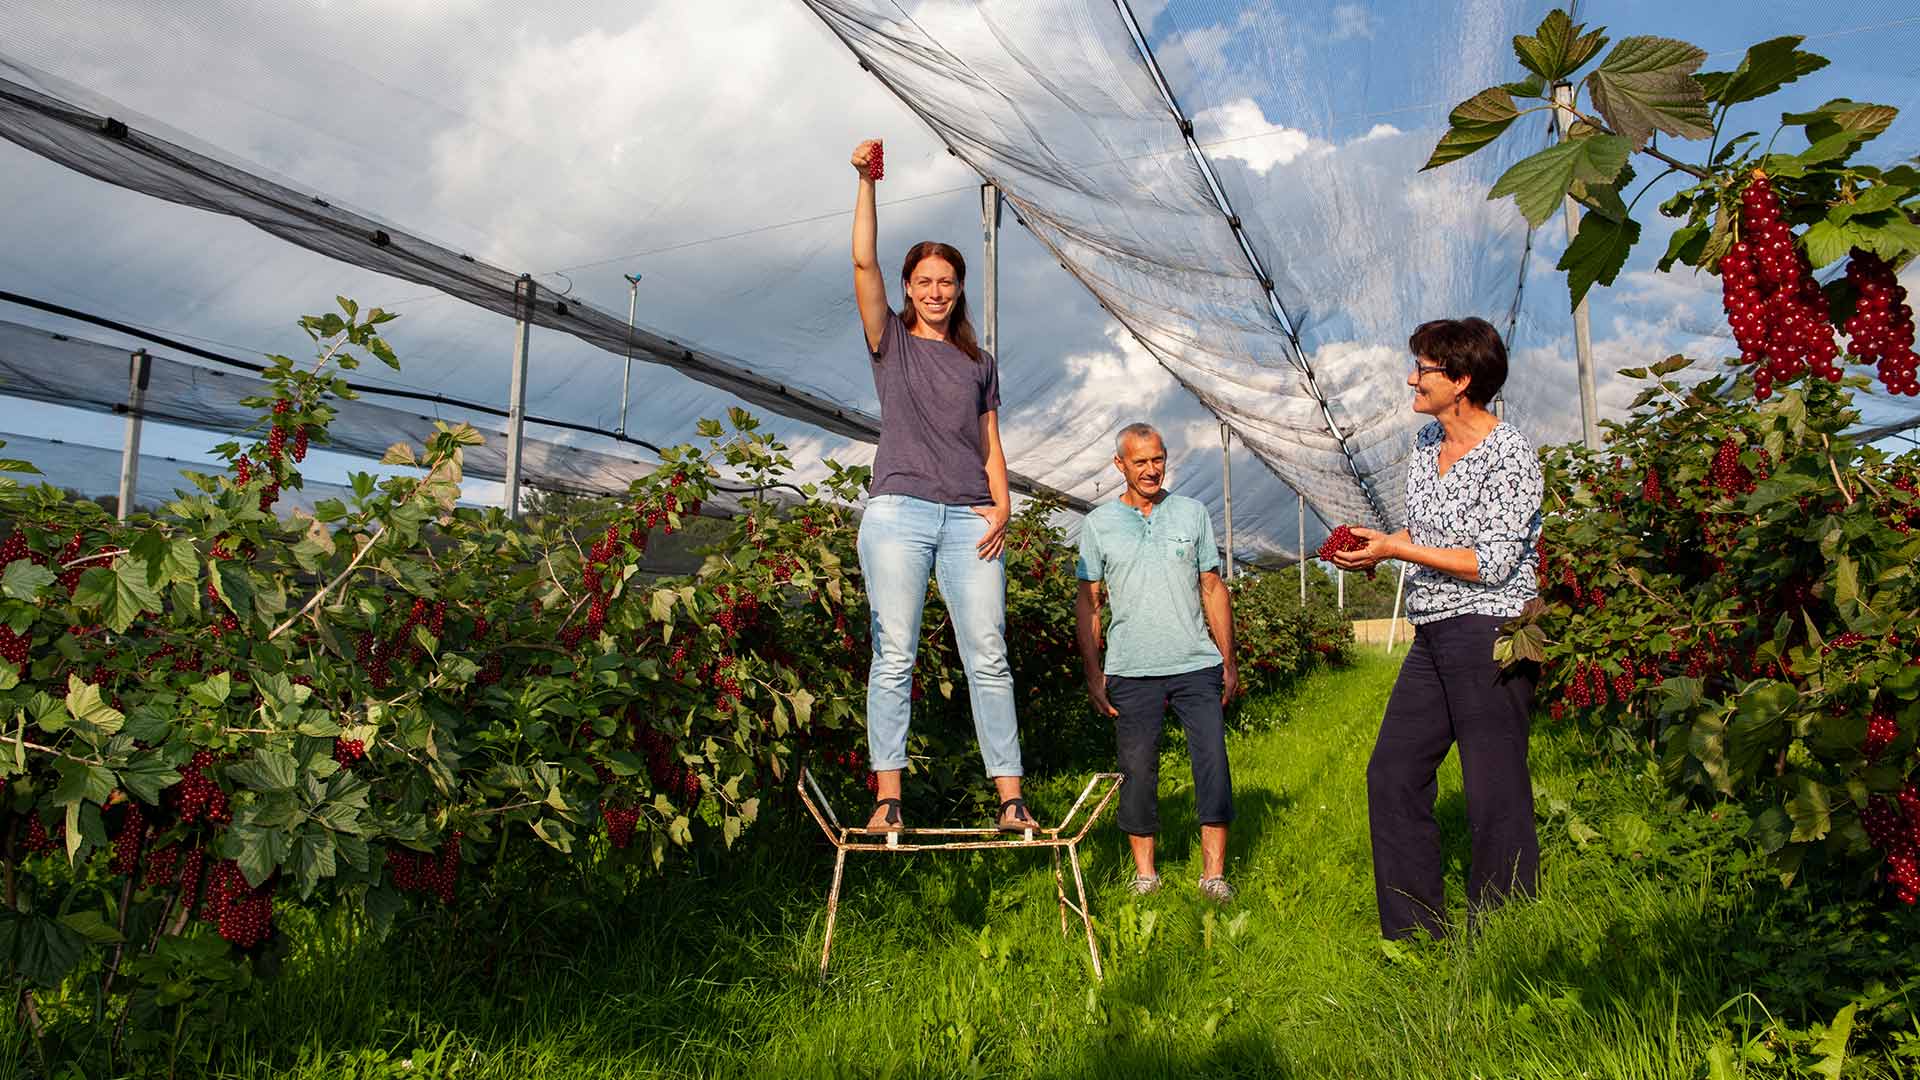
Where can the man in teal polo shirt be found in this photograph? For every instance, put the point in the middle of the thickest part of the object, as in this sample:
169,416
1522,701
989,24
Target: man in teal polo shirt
1170,642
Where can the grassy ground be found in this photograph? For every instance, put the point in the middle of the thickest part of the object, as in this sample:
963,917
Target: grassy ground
955,966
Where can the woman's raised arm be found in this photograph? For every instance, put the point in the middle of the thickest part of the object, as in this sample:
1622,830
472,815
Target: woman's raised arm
869,287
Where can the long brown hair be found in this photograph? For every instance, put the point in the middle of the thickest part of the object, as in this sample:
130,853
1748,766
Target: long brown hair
959,327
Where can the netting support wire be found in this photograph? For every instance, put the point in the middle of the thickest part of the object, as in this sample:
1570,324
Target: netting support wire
1582,327
523,299
626,379
1303,549
138,371
990,269
1399,593
1279,310
1226,487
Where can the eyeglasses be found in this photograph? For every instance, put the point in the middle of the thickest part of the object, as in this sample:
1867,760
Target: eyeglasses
1420,369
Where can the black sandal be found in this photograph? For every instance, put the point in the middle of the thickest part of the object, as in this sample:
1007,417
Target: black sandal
1000,818
890,822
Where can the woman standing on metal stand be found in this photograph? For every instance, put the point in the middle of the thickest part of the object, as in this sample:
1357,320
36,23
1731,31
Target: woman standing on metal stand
939,504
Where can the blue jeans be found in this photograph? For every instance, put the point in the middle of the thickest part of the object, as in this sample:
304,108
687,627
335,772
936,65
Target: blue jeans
902,539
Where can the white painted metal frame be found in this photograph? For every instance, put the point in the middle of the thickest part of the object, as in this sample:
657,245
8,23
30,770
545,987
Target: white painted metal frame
1054,839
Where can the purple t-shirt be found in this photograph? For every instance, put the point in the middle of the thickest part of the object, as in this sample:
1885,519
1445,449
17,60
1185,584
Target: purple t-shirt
931,400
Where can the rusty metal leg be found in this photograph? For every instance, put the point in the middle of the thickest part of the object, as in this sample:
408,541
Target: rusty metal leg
833,909
1086,916
1060,891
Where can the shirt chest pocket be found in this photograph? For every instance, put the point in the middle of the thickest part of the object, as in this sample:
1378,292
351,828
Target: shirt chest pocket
1175,547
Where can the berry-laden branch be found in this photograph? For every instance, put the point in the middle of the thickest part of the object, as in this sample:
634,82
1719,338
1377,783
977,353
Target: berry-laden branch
1634,579
314,601
95,557
1827,445
63,756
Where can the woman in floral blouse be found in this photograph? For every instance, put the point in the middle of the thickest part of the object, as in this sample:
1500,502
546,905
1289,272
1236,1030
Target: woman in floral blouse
1473,519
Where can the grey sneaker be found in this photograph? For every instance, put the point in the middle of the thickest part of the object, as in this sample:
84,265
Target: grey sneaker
1144,884
1216,889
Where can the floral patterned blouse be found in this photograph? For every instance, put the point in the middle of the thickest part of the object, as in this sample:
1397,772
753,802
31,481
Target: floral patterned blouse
1489,501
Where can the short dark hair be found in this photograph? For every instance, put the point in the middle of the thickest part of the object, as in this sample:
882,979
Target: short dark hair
1469,349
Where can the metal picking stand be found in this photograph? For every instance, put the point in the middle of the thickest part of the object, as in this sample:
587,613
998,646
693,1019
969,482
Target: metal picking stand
1054,838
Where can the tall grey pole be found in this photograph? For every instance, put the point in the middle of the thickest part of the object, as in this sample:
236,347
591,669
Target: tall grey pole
138,367
626,380
990,269
1303,550
1339,589
1226,487
523,299
1582,327
1399,591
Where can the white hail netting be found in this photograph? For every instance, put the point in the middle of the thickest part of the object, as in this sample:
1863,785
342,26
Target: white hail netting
95,470
59,369
1057,104
704,146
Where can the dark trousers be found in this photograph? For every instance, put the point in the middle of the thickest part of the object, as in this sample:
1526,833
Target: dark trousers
1142,702
1451,691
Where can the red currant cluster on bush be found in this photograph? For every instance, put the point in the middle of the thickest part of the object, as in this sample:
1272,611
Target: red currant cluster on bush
375,655
1896,830
69,576
1852,639
1882,730
1588,687
349,752
1880,330
1727,476
738,611
1779,316
669,775
127,842
371,654
197,797
41,842
620,821
14,648
16,548
243,914
423,871
165,867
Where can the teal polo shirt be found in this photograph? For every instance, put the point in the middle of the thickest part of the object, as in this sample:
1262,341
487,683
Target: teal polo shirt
1151,564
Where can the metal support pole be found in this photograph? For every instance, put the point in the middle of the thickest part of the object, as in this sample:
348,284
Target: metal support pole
138,371
1339,589
990,269
626,380
1086,916
1582,328
523,298
833,910
1303,550
1399,590
1226,487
